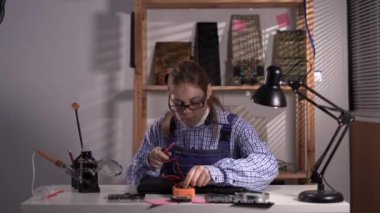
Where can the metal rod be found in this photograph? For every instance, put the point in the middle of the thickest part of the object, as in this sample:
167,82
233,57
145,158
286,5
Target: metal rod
76,106
334,150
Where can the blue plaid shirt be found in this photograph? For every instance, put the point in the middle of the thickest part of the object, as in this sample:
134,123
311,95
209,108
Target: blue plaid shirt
254,168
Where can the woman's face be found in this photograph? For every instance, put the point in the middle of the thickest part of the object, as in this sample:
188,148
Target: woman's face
188,102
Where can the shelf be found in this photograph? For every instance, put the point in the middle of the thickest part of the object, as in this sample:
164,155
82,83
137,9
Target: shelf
158,88
305,130
175,4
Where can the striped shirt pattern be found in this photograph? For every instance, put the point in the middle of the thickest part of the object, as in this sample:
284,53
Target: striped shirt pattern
251,164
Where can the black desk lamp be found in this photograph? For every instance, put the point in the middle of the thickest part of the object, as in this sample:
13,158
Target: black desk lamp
271,94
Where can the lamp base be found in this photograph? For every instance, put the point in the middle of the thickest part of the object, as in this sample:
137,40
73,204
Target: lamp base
316,196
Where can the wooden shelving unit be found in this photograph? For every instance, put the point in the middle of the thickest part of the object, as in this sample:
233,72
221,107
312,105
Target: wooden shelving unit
305,112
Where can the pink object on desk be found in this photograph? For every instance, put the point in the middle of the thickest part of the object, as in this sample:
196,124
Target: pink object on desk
55,193
158,201
199,200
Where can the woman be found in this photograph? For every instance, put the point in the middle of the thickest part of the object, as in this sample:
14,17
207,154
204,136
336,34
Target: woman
199,143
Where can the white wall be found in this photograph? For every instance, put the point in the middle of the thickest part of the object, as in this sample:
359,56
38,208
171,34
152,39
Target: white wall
330,21
55,52
52,53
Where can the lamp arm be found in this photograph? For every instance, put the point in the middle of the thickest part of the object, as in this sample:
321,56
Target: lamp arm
345,118
342,134
327,109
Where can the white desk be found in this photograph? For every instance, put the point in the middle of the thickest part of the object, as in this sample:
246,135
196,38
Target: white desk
284,198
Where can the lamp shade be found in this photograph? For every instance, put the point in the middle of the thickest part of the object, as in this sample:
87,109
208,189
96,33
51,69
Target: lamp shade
271,94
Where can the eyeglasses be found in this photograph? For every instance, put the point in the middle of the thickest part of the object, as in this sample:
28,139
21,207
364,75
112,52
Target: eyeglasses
181,107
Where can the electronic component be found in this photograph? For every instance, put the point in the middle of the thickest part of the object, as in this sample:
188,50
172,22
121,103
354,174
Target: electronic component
264,205
219,198
288,50
251,197
254,199
126,197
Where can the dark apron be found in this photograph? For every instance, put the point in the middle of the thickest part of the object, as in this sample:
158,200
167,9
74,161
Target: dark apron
182,160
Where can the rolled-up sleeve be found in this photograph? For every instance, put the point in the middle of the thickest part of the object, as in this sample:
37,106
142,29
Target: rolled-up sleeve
254,168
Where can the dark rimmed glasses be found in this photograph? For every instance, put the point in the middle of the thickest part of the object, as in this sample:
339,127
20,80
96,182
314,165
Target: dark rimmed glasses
181,107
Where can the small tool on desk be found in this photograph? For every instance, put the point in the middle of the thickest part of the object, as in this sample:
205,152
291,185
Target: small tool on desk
126,197
84,164
60,164
54,194
182,194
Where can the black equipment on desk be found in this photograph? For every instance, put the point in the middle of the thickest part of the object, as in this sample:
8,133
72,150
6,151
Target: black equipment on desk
245,199
160,185
87,168
126,197
85,165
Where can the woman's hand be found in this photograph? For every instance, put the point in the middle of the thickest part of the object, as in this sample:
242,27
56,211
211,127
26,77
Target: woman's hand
157,157
197,176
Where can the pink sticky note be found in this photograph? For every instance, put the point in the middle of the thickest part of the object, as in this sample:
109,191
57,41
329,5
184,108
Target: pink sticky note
283,20
239,25
158,202
199,200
